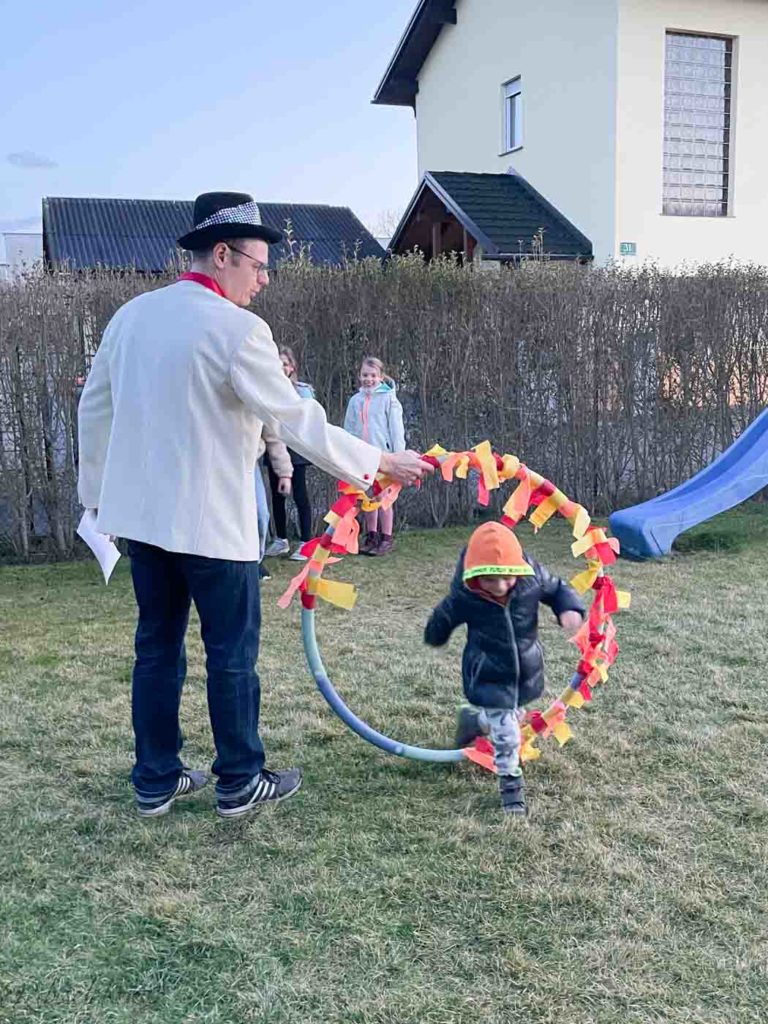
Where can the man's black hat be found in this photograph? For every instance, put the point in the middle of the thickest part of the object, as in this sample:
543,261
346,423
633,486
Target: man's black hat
221,215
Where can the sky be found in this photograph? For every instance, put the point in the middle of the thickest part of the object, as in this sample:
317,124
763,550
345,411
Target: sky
164,100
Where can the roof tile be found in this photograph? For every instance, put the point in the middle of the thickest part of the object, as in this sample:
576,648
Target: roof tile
509,212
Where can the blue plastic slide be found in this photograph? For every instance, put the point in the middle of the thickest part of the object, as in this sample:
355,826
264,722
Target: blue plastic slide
648,530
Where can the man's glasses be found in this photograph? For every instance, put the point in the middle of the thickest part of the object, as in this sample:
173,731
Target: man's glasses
260,267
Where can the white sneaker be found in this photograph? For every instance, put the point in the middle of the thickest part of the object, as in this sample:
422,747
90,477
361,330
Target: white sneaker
277,547
297,556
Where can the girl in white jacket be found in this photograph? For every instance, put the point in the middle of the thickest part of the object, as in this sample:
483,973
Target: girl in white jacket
375,415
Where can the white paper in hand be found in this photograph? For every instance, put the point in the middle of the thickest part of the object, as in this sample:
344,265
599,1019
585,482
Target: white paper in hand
105,550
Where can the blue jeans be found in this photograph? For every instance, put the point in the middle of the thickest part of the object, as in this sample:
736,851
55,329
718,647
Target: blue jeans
226,595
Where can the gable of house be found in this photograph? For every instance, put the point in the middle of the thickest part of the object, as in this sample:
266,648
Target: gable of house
399,85
499,216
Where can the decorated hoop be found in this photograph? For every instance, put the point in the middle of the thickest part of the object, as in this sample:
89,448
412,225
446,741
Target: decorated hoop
596,640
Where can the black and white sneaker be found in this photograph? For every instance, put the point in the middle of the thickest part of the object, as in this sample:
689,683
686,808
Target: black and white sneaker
269,788
190,781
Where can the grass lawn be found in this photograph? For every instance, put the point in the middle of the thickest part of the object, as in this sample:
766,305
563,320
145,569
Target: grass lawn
391,892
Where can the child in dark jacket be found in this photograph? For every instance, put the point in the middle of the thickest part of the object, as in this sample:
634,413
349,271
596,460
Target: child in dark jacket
496,591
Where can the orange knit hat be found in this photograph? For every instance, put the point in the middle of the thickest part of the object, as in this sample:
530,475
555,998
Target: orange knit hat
494,550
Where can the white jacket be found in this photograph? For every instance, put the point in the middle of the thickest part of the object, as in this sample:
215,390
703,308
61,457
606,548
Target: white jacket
171,418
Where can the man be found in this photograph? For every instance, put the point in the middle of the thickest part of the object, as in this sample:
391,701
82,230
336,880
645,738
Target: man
170,419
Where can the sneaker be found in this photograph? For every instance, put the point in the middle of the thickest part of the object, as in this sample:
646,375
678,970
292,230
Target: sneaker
512,790
278,547
270,788
467,727
190,781
370,543
385,545
296,556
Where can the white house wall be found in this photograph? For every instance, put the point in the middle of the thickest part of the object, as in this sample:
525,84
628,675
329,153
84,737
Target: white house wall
566,54
640,117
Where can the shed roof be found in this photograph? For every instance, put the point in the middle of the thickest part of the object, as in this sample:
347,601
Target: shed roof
142,233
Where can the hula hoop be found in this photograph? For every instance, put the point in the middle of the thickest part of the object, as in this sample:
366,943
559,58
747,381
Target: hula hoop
595,640
357,725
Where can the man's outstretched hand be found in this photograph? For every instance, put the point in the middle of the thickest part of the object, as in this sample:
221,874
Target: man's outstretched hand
405,467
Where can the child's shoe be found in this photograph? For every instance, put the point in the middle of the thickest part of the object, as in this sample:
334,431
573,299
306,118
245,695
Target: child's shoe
278,547
512,790
370,543
385,545
467,727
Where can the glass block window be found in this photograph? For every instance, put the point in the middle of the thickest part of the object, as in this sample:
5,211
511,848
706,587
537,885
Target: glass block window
697,125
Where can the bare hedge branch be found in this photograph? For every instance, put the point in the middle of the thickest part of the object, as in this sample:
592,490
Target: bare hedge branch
615,384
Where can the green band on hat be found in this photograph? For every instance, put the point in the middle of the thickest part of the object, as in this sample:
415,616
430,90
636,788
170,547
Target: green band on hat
498,570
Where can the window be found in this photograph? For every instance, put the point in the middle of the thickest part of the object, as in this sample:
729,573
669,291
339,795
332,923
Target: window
697,125
513,114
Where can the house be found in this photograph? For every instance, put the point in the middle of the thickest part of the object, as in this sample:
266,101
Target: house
23,252
641,123
142,233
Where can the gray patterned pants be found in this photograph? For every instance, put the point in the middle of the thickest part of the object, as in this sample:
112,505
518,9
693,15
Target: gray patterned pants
502,727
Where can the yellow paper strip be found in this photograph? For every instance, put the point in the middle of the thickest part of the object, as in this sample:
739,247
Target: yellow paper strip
485,457
562,733
529,753
462,467
517,503
343,595
581,523
546,510
510,466
574,700
594,536
584,581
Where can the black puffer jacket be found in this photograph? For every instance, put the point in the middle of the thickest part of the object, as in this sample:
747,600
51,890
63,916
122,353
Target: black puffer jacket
503,664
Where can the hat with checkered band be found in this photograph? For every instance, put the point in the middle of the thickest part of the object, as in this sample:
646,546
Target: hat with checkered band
219,216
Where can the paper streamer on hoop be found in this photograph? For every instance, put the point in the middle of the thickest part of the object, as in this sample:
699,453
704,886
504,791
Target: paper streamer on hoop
534,498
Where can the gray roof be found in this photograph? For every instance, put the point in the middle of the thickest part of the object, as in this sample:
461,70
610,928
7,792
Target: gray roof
502,212
399,84
142,233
